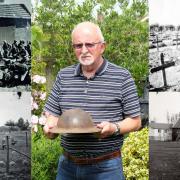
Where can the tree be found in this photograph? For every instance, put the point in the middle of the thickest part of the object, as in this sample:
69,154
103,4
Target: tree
125,34
10,123
22,124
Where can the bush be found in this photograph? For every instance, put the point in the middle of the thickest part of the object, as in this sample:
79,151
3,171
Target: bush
135,153
45,155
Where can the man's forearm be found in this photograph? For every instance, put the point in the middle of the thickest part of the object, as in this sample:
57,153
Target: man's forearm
129,124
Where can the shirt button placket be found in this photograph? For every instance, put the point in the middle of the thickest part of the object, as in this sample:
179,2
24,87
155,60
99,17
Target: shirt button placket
86,91
87,83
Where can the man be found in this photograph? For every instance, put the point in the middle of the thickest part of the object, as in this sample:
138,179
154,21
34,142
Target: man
108,93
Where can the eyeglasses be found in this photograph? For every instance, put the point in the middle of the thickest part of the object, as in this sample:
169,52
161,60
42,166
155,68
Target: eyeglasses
87,45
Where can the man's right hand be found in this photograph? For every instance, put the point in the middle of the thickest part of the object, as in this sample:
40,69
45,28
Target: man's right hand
50,123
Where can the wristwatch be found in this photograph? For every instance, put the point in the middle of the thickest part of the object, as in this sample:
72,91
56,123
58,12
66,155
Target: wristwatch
117,132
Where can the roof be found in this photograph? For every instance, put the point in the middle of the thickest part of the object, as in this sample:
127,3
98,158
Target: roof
14,11
155,125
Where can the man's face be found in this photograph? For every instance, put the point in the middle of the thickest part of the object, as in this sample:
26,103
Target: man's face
88,46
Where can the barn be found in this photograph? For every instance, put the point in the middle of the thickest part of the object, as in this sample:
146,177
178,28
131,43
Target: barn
15,20
164,131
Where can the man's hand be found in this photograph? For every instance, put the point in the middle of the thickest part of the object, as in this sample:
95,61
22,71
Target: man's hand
50,123
108,129
127,125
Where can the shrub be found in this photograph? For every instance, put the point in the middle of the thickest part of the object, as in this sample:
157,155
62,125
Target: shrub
135,153
45,155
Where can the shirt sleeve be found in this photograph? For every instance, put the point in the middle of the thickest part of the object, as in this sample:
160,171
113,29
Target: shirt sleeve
52,104
131,106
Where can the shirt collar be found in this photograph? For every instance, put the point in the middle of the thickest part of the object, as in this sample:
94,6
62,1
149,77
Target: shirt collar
100,71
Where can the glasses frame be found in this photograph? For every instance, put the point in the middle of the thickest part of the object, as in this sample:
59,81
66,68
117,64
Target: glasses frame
79,46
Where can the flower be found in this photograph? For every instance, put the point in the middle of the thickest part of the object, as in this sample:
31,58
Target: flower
34,106
42,120
43,96
43,80
34,119
39,79
36,79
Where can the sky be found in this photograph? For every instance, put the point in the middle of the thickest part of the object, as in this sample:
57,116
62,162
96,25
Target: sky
164,12
12,108
161,103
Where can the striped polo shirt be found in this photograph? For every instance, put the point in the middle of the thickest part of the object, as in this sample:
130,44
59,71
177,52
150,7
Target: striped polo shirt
108,96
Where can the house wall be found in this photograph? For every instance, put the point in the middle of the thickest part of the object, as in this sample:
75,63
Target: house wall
6,33
160,135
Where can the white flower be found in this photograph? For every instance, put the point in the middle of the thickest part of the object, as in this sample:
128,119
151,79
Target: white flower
39,79
42,120
34,119
34,106
43,96
43,80
36,79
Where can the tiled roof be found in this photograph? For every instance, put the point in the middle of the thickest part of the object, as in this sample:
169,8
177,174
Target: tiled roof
14,11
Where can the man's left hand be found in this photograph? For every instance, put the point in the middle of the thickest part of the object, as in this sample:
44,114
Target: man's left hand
108,129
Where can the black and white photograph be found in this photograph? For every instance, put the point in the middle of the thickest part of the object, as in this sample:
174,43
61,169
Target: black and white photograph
164,45
164,135
15,45
15,135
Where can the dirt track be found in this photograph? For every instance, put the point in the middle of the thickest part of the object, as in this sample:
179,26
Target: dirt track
164,160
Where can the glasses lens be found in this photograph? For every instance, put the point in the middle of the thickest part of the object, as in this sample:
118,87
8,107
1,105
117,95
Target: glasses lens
77,46
89,45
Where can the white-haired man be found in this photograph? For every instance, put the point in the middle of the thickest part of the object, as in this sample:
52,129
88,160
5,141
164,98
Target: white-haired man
108,93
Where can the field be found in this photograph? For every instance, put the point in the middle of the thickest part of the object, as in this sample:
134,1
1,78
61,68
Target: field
164,160
171,54
19,165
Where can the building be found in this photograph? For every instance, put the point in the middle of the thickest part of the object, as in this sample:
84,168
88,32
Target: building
15,20
176,131
160,131
164,131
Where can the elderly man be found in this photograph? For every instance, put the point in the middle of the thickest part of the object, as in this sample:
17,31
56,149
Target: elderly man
108,93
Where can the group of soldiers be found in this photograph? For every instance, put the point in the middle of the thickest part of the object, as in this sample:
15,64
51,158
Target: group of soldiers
15,63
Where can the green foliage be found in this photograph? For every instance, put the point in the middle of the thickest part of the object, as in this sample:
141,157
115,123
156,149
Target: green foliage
125,34
127,44
135,153
45,155
38,38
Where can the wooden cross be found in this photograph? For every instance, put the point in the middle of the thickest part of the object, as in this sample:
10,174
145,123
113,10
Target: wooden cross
162,68
157,41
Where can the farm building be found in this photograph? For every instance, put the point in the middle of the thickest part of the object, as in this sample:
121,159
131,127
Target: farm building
15,20
160,131
164,131
176,131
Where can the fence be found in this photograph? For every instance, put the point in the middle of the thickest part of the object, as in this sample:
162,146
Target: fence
6,145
